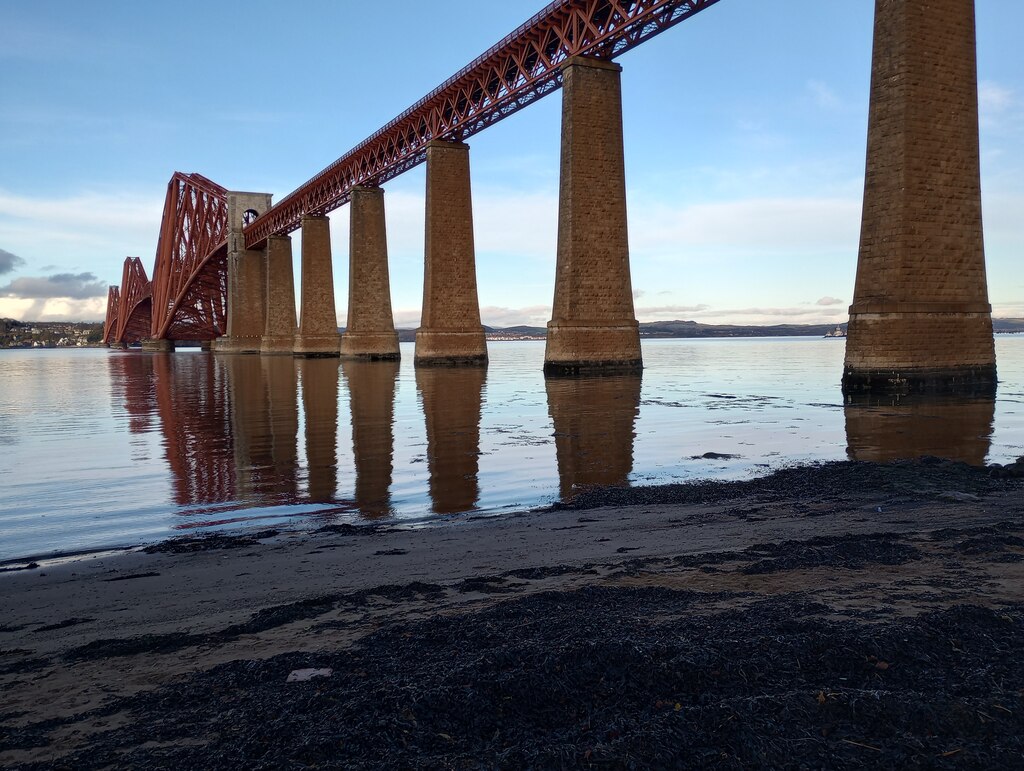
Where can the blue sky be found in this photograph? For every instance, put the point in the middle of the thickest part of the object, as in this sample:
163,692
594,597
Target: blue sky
744,135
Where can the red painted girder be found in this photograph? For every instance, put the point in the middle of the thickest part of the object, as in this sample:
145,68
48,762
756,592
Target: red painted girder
135,303
187,302
110,324
520,69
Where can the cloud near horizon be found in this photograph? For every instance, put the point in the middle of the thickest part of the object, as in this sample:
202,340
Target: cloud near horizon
58,297
73,286
8,261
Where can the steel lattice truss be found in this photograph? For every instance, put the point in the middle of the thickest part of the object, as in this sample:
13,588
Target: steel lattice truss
135,303
512,74
113,306
190,275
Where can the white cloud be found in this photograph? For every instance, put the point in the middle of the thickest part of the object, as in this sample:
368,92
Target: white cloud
794,226
664,311
532,316
81,286
824,96
754,315
54,309
994,98
825,301
87,230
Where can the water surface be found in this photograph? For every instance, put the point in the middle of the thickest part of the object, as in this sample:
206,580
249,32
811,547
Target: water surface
108,448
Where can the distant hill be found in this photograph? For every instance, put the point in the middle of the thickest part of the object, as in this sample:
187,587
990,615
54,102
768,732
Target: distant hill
1008,325
696,329
667,329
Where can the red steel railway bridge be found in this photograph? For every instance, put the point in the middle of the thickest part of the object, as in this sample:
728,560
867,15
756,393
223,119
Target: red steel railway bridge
920,318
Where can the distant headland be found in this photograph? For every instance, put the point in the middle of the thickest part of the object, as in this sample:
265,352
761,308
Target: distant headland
82,334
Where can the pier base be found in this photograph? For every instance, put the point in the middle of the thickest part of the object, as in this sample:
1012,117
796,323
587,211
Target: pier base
166,346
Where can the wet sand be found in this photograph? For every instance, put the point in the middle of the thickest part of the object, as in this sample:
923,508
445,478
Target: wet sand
843,615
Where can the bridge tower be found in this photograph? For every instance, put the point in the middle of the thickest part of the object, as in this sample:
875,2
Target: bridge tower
920,319
247,271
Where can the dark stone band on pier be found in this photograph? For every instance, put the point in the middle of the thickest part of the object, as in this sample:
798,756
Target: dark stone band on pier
979,380
592,368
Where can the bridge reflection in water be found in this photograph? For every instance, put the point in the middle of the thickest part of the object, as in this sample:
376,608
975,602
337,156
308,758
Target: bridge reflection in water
594,419
242,432
452,401
371,392
883,429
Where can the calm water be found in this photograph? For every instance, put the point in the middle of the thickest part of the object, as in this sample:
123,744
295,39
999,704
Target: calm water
105,448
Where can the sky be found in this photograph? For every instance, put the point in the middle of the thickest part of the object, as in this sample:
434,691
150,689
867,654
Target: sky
745,132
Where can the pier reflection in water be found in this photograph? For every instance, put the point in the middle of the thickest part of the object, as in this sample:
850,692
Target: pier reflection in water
113,448
452,401
273,438
885,429
371,388
594,420
320,381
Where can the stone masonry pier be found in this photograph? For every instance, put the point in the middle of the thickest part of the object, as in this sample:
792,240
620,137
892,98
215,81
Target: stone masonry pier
318,321
370,332
593,326
920,319
450,333
246,301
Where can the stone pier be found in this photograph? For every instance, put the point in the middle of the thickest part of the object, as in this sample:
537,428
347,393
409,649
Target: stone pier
593,328
920,319
158,346
450,333
246,279
370,330
318,324
279,333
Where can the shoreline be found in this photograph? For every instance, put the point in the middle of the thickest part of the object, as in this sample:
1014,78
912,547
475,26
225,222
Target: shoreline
96,648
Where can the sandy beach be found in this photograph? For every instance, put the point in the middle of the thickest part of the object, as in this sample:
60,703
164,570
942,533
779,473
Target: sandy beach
841,615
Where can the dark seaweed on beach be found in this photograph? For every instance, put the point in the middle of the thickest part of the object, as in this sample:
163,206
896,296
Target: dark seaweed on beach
851,552
928,476
189,544
607,678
